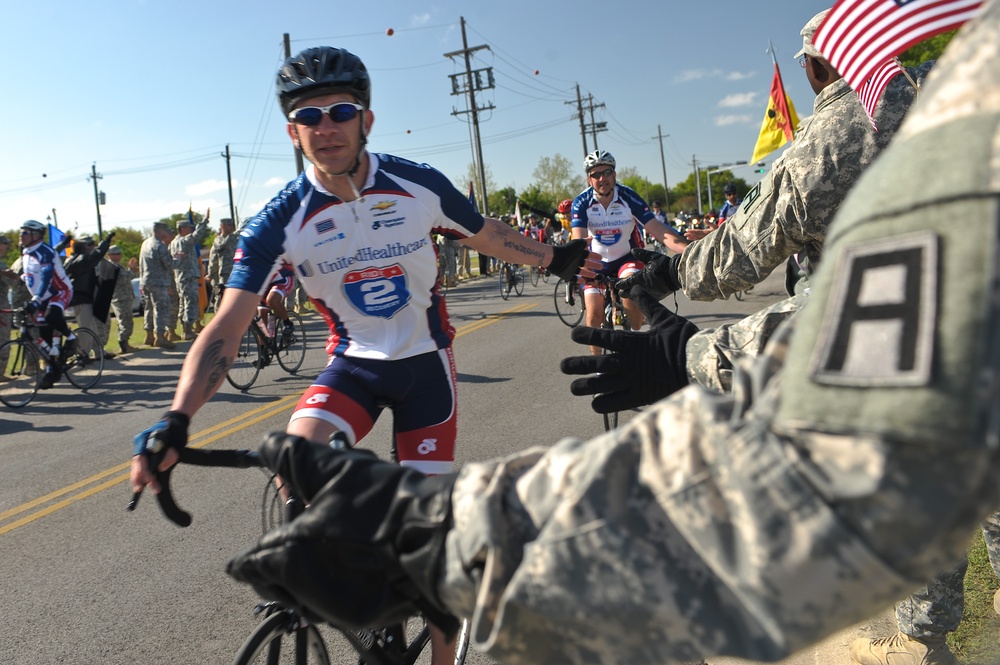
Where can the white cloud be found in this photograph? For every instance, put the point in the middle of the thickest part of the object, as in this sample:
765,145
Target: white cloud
418,20
739,99
725,120
206,187
739,76
275,182
691,75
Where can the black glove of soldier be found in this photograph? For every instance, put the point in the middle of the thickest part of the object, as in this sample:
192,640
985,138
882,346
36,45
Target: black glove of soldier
642,368
368,549
568,259
659,277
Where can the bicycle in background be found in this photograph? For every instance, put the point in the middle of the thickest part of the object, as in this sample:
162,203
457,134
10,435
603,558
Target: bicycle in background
26,359
263,342
568,297
511,279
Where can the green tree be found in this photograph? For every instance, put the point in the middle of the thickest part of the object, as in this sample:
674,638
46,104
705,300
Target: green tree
929,49
534,197
502,201
557,178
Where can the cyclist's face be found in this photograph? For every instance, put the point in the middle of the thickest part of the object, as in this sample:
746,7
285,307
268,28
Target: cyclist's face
332,146
602,179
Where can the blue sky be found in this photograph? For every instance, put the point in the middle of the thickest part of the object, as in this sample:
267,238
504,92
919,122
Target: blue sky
153,90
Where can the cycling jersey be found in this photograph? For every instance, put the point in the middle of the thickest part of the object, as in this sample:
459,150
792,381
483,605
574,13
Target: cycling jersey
282,283
615,228
44,275
369,265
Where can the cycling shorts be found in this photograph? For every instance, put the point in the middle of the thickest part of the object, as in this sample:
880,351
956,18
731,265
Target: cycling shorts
619,268
421,391
282,284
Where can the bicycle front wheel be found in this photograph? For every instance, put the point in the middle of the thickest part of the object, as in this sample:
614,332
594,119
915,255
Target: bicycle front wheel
505,281
292,348
533,274
518,280
282,638
22,373
84,364
569,303
249,358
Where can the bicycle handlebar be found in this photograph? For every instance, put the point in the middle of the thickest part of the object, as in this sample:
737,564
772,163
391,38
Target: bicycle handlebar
235,459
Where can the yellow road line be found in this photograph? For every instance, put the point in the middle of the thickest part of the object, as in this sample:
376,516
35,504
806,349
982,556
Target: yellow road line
85,488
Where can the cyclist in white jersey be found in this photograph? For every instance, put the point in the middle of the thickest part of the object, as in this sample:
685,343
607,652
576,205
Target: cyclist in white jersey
356,227
614,216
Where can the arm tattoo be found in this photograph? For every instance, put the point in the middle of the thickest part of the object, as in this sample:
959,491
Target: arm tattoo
522,249
214,366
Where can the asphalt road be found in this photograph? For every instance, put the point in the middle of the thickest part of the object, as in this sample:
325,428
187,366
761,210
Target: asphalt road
82,581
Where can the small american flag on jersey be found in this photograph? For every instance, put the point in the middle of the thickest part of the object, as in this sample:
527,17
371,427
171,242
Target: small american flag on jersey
859,36
325,226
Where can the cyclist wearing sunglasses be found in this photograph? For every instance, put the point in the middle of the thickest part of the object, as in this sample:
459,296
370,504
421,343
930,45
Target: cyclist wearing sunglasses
356,226
614,217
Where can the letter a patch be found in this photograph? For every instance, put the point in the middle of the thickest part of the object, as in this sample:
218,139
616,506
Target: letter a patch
880,319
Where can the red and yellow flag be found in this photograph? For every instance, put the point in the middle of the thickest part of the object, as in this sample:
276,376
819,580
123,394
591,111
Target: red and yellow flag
780,120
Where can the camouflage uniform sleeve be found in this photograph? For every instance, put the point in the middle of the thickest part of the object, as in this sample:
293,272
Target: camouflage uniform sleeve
214,262
713,353
848,467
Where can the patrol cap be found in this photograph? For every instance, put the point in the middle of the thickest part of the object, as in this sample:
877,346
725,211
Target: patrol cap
86,240
114,249
184,222
807,33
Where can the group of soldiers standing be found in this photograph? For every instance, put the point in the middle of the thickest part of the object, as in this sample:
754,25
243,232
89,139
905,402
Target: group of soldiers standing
169,268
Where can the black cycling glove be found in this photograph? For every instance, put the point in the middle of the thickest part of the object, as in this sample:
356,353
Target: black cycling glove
659,277
642,368
568,259
170,431
369,548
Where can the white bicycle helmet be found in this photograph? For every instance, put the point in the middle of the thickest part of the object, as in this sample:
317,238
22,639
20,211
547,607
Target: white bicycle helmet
597,158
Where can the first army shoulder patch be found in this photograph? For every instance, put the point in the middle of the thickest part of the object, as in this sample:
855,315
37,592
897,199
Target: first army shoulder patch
879,326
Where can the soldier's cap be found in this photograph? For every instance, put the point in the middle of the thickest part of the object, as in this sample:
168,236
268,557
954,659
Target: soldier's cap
226,220
114,249
184,222
807,33
86,240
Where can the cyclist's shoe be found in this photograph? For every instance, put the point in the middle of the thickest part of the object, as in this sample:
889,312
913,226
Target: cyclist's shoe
287,333
901,649
69,348
49,378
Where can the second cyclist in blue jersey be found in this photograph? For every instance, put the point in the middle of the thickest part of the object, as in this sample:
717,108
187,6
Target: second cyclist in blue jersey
614,216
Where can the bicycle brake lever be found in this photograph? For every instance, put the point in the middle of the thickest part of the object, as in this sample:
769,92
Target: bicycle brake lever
165,498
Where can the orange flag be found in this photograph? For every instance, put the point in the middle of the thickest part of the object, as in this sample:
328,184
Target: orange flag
780,120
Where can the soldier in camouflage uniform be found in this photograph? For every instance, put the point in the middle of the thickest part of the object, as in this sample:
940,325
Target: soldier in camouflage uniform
187,269
156,280
790,209
838,475
220,259
121,300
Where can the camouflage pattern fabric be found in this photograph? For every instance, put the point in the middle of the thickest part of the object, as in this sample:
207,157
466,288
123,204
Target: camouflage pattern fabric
121,303
220,264
792,206
156,279
755,523
184,250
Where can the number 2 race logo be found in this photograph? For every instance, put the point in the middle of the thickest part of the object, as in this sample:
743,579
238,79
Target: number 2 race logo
377,291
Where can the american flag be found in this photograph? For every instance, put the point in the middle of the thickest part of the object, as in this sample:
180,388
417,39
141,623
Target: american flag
871,90
859,36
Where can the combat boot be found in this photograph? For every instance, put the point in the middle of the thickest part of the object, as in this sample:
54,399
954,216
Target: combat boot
125,347
901,649
164,343
188,333
197,327
172,336
149,338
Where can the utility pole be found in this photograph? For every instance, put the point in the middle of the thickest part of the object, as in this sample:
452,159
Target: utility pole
697,181
595,126
229,180
579,116
663,165
55,220
98,196
299,166
474,81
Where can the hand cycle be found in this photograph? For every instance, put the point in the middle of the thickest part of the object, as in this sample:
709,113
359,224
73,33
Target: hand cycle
260,344
285,635
615,316
25,359
511,279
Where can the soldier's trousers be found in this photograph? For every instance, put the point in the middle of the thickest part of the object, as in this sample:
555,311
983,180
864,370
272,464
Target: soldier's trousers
157,304
123,312
937,608
187,292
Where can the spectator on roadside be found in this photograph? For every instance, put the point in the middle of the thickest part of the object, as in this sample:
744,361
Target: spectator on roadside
122,295
184,249
156,280
82,271
220,259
